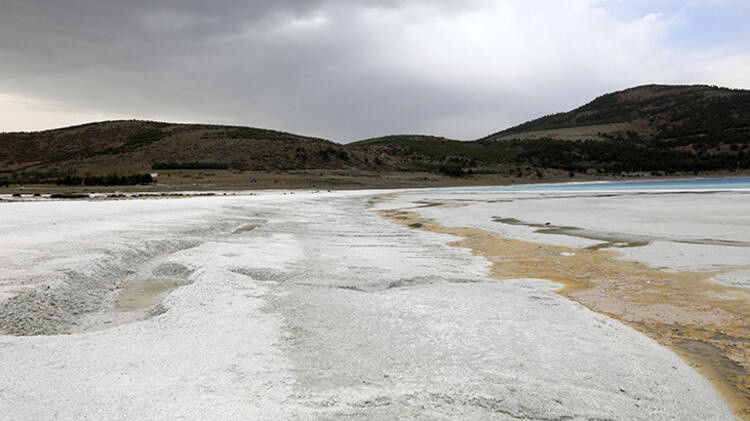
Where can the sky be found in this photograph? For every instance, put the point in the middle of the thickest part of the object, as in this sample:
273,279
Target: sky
348,70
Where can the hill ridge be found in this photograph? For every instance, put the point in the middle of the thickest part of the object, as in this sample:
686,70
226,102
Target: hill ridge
651,128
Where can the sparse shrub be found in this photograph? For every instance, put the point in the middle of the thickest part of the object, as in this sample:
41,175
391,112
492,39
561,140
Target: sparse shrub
451,170
69,196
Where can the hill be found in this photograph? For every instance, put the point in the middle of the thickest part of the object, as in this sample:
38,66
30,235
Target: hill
653,128
137,146
647,128
651,111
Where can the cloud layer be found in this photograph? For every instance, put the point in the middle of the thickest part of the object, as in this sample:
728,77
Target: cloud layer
354,69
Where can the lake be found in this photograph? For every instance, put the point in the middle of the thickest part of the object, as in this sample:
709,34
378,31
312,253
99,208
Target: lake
724,183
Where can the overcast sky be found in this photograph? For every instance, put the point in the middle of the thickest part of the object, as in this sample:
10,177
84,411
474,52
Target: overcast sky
353,69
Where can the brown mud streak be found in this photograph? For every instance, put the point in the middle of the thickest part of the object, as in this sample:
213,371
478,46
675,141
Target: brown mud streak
705,323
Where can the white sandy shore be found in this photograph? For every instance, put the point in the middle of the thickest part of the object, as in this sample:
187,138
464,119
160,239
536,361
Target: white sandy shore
687,230
323,311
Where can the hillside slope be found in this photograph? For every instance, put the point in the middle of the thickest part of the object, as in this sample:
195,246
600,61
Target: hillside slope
128,146
647,128
652,112
653,128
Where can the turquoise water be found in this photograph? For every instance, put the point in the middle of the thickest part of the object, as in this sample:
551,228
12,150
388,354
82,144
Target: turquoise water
730,183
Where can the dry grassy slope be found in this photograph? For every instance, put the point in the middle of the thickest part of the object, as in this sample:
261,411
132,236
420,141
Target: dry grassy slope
595,131
209,145
28,147
133,146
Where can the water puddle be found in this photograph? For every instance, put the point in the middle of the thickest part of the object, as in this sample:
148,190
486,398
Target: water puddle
142,294
245,228
714,364
135,300
614,239
425,204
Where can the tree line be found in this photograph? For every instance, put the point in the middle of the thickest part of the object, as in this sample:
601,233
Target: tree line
105,180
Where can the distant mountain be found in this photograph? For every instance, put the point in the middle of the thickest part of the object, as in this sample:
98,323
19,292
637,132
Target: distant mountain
653,128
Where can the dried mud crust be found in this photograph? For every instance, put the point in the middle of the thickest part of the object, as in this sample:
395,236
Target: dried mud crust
705,323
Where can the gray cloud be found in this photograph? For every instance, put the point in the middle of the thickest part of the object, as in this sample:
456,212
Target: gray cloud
345,70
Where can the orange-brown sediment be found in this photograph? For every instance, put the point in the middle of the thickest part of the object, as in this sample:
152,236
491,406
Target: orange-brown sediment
705,323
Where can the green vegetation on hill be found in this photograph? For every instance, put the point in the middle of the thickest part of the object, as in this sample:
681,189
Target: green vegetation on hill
131,143
254,133
137,140
667,112
617,156
189,166
437,148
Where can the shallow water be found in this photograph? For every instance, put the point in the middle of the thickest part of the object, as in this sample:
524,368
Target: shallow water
245,228
142,294
611,238
725,183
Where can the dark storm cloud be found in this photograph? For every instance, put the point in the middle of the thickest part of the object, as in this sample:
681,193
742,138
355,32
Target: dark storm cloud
227,61
339,69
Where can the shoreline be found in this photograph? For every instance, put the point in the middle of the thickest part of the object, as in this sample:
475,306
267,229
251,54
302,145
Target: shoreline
174,181
89,193
642,308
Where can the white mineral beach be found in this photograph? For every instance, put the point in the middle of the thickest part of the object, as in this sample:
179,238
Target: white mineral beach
311,306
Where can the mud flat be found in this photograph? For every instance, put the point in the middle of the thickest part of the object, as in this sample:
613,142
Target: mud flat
675,300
